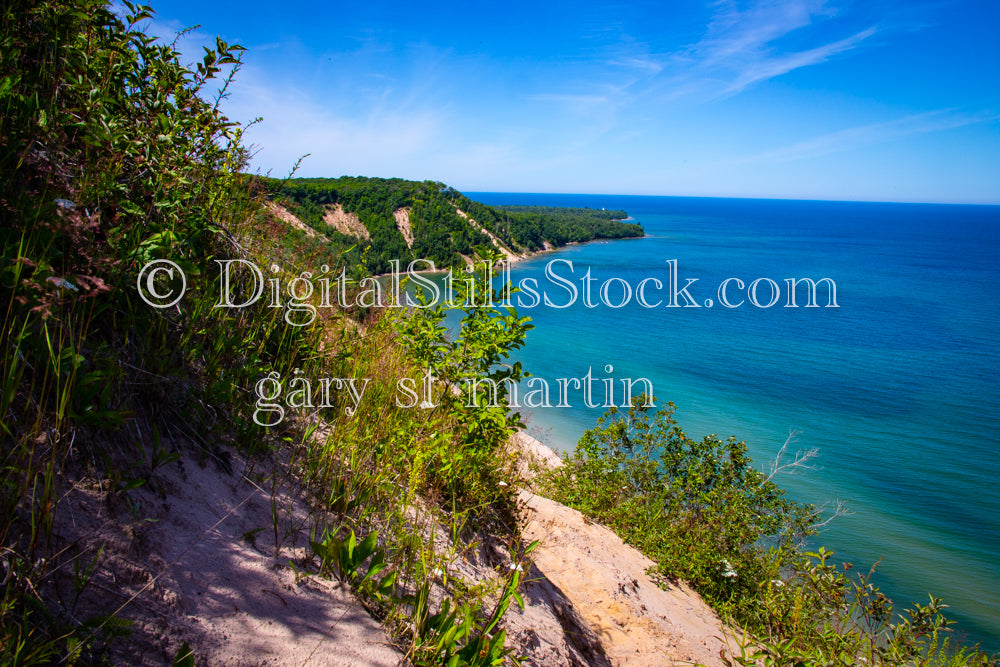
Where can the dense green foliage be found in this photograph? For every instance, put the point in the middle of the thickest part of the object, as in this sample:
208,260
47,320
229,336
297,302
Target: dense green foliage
698,507
441,232
569,213
706,515
533,226
112,156
480,349
819,614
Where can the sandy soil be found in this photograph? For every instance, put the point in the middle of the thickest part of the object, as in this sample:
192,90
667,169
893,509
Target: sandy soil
637,621
402,216
533,455
285,215
191,557
348,223
345,223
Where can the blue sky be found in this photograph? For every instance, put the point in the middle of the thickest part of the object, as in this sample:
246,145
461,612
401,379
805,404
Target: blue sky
875,100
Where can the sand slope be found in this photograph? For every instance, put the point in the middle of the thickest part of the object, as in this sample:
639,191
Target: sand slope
178,563
192,556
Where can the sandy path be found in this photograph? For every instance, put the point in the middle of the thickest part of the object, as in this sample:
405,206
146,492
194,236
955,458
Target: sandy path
181,564
191,556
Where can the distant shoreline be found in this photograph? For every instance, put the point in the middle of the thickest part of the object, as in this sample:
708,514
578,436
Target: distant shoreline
518,258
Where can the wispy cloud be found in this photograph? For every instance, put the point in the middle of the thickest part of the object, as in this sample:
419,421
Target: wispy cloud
738,33
772,66
380,139
569,99
743,47
647,64
876,133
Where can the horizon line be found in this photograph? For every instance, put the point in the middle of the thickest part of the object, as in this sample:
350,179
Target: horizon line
646,194
745,197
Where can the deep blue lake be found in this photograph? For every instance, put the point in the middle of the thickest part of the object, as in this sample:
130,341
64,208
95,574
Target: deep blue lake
897,387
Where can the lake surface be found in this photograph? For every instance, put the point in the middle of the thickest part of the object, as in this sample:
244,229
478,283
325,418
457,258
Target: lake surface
897,386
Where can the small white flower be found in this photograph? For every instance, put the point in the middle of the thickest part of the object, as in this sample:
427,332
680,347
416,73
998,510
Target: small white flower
515,568
777,582
502,483
730,572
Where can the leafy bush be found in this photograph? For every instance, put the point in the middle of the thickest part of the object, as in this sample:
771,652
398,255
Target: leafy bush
469,465
697,507
707,516
113,154
821,615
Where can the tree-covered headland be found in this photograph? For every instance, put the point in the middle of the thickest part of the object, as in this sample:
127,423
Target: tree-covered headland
446,225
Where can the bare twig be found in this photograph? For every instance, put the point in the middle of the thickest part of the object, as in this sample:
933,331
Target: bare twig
800,461
840,509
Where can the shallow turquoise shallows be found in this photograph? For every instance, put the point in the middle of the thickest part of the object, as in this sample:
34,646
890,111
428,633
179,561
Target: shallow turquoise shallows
897,387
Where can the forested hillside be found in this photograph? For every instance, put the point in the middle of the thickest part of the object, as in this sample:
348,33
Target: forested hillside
532,226
121,381
445,224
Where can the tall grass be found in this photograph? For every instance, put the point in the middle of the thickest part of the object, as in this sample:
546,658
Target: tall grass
114,154
111,157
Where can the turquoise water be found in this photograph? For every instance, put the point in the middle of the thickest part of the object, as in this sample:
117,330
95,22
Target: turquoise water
897,387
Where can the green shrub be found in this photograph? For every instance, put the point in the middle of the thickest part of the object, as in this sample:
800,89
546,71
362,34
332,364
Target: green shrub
705,515
111,156
697,507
